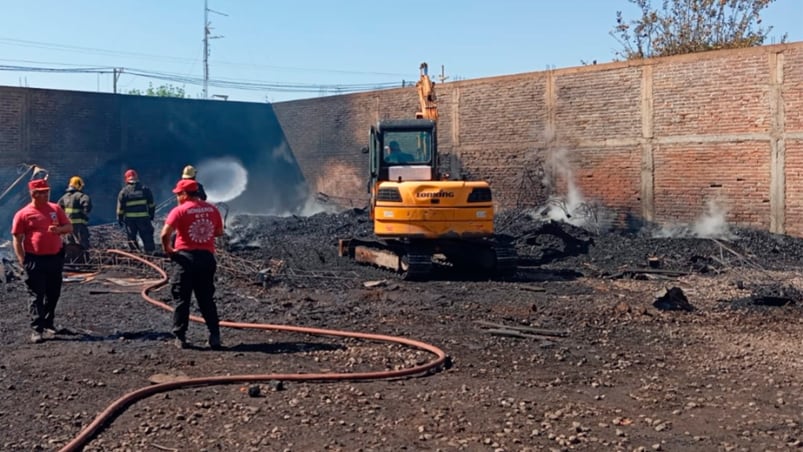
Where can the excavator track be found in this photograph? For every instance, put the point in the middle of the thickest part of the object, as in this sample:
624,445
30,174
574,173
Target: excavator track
416,263
410,261
413,261
507,260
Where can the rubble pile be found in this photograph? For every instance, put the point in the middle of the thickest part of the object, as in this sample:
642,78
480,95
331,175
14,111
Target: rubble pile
562,245
305,249
310,243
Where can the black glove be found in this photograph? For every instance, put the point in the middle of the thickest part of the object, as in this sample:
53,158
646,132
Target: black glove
120,221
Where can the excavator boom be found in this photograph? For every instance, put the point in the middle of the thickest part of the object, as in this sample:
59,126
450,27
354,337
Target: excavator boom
426,96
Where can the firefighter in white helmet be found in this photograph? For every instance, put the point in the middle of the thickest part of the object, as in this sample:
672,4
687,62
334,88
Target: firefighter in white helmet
190,173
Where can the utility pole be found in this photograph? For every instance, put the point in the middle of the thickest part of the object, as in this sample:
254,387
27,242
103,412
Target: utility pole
116,76
443,76
207,37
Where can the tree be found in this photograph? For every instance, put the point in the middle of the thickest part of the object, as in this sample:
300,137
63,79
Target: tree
160,91
688,26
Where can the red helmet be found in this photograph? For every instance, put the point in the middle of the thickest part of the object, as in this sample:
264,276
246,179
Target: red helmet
131,176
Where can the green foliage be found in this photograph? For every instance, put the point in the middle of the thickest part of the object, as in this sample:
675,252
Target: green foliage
689,26
160,91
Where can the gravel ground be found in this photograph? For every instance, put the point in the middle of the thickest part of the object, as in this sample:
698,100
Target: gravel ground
717,368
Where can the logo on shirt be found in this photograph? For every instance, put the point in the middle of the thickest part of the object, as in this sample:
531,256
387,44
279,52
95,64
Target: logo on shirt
202,230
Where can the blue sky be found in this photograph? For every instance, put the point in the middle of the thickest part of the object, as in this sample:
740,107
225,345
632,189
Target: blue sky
307,48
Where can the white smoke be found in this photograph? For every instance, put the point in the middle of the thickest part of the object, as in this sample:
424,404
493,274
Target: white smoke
571,208
574,209
318,204
561,208
712,224
223,178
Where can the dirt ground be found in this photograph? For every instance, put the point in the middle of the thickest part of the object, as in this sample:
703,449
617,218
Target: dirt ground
721,374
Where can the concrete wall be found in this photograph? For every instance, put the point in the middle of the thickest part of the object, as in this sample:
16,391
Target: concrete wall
654,140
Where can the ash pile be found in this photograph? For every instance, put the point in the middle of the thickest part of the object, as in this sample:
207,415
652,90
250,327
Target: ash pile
310,243
301,251
614,252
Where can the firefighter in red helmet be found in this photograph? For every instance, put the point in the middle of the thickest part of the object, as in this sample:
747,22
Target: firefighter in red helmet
135,212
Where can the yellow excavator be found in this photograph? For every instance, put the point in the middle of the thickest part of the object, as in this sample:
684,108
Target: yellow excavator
421,217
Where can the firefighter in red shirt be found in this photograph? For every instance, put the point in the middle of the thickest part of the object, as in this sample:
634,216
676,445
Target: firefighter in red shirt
37,229
196,223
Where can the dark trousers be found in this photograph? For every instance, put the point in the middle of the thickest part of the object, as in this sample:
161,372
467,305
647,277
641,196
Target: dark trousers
77,244
142,227
44,274
194,273
79,236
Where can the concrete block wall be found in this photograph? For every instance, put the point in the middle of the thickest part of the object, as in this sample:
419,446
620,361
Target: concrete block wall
12,131
656,140
98,136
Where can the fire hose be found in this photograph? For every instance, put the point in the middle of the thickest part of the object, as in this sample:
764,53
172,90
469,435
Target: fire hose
121,403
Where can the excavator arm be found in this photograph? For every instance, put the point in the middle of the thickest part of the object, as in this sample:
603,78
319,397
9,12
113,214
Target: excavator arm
426,96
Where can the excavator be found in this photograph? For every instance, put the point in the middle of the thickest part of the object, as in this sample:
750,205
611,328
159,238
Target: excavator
422,218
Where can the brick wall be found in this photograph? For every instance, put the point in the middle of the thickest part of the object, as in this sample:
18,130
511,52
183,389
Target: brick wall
792,92
654,140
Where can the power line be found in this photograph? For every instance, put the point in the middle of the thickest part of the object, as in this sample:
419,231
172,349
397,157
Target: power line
107,52
248,85
253,85
73,70
86,50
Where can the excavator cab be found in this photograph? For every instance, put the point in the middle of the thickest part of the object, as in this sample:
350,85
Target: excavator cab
408,198
402,150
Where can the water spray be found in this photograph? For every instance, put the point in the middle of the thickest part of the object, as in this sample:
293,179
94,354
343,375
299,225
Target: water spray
224,179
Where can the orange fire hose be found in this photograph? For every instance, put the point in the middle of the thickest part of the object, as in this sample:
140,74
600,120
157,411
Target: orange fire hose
120,404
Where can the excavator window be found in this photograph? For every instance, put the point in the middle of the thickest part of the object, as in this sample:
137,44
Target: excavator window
407,148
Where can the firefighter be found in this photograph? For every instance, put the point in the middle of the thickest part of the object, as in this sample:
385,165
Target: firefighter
190,173
37,230
196,224
77,205
135,212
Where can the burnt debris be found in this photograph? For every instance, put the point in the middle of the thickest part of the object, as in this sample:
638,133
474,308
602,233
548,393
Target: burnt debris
306,248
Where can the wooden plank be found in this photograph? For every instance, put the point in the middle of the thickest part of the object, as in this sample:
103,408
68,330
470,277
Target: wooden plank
525,329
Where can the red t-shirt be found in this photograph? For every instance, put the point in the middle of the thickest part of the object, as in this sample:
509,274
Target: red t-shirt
33,222
195,222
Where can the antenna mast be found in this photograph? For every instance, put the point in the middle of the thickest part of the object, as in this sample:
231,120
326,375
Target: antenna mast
207,37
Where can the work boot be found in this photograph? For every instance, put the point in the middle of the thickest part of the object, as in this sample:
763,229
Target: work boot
214,342
36,337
